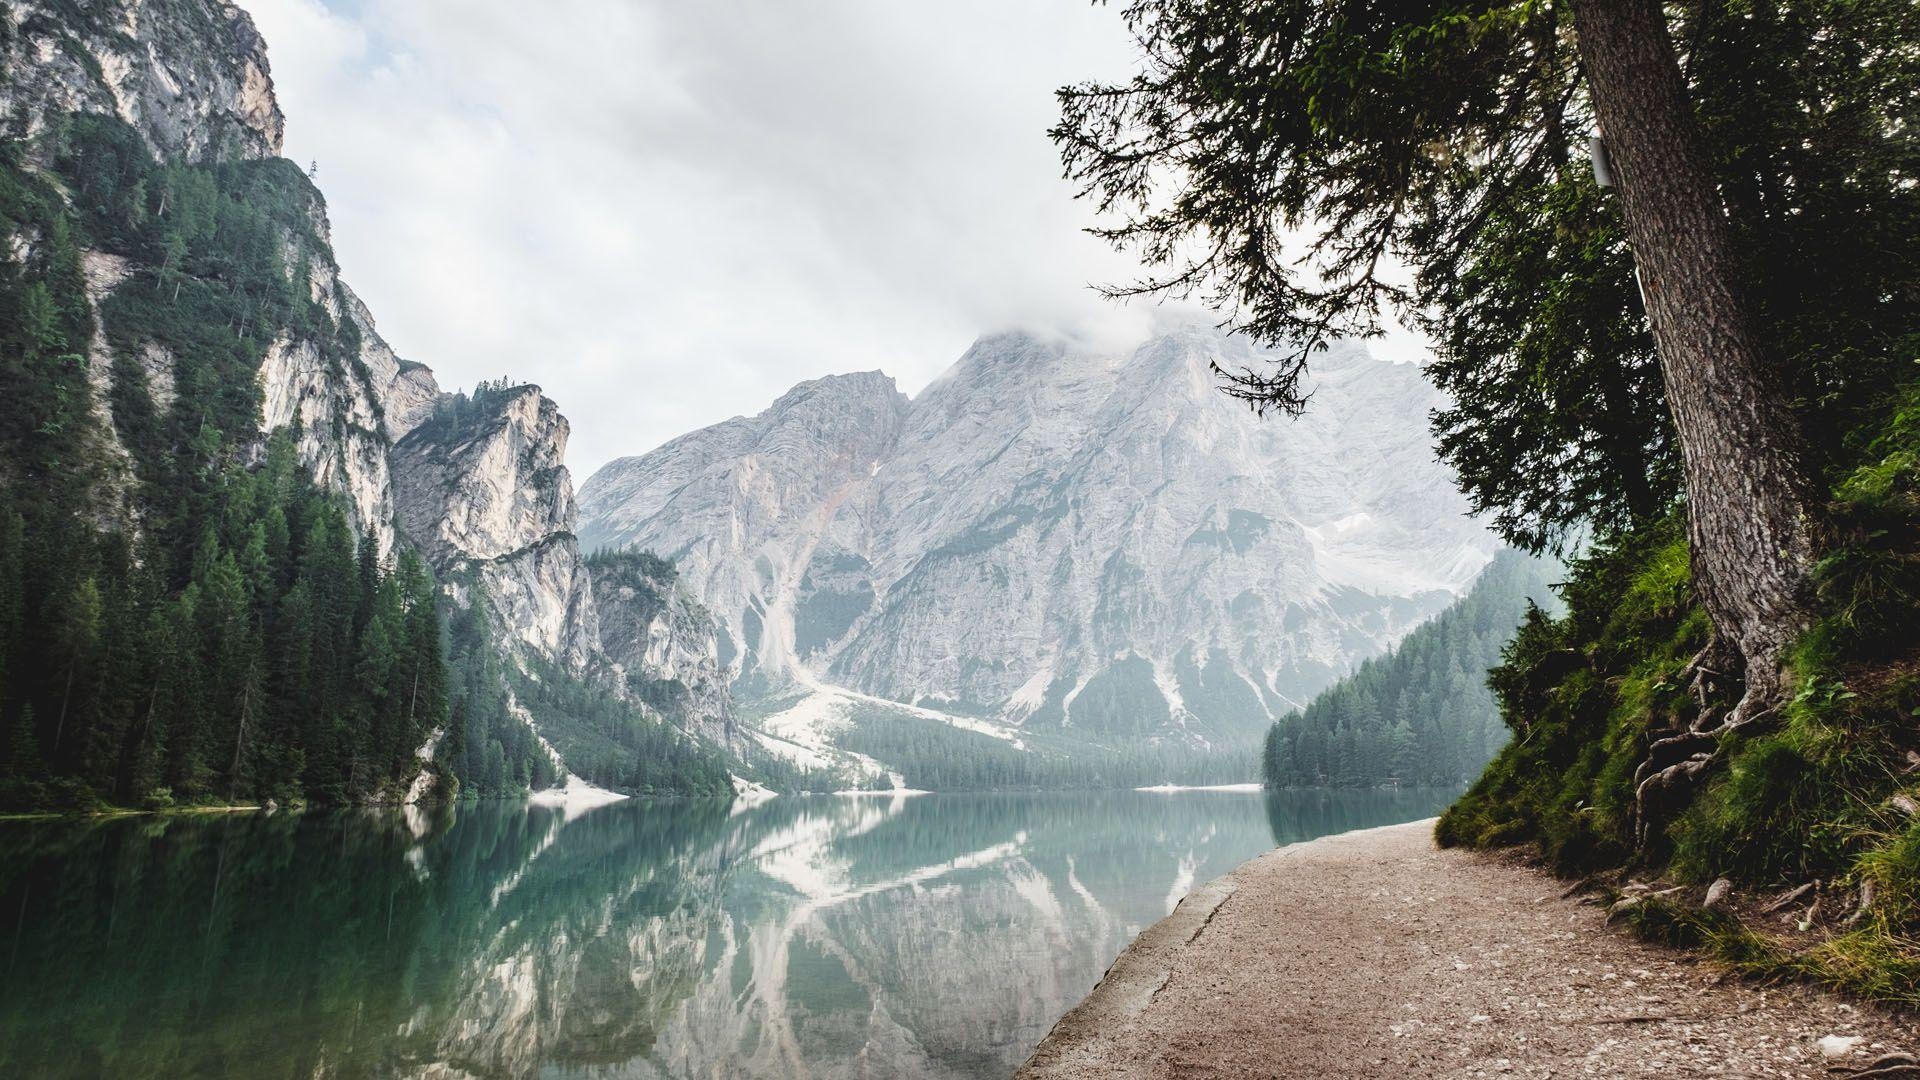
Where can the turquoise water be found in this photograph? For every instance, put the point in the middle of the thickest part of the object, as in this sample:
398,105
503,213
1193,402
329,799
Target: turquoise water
937,935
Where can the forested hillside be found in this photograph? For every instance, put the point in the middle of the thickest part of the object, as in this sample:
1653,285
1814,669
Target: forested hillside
225,634
1666,251
1422,715
203,594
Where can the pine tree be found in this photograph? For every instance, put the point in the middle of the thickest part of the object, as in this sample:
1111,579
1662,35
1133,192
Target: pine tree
1443,720
13,529
1280,156
76,639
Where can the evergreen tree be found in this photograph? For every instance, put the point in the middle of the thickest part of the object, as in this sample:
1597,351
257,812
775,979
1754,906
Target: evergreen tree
76,638
1280,155
184,615
1415,716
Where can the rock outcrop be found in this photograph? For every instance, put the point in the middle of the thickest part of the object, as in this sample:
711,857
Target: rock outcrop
189,75
484,491
663,647
483,488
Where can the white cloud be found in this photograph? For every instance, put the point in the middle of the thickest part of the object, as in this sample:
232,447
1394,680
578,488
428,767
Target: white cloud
666,212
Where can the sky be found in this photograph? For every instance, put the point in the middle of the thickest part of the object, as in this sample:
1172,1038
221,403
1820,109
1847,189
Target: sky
667,212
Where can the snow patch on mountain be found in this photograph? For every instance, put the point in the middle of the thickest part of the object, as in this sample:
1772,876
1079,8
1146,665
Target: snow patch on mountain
1054,536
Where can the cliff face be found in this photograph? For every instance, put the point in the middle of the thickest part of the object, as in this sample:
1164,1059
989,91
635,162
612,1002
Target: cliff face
663,646
483,488
746,507
190,79
484,491
1063,538
478,484
344,431
189,75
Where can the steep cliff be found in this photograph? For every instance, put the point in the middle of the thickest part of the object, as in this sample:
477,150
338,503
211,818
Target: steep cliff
188,83
187,378
1063,539
339,411
746,509
190,75
662,646
483,490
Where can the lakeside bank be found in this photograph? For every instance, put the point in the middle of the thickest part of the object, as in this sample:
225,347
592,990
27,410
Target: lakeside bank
1377,954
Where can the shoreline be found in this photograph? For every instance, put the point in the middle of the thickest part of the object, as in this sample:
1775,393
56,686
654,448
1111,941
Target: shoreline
1375,953
120,812
1170,789
745,792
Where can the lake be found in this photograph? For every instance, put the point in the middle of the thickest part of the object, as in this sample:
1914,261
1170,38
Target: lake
934,935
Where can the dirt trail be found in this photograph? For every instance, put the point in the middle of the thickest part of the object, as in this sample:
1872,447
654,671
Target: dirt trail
1375,954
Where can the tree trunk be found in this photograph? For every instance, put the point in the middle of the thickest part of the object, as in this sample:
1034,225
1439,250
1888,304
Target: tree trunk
240,738
1749,494
66,696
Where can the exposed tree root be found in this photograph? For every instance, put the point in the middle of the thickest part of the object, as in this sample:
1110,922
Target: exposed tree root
1658,788
1674,764
1789,897
1702,673
1867,891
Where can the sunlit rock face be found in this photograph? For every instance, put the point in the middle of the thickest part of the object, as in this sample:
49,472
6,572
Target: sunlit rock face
345,412
336,414
410,398
483,489
1061,536
189,75
487,491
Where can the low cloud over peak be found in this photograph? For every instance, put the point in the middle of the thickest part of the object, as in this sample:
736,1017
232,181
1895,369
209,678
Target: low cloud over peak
664,212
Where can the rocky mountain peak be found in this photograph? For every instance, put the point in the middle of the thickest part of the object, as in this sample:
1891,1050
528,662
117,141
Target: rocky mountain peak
1062,534
486,474
834,392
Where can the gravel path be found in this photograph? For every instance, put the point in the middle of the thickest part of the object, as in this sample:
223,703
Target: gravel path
1375,953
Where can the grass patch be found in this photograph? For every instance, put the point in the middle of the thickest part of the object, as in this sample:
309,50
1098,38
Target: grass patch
1868,963
1813,794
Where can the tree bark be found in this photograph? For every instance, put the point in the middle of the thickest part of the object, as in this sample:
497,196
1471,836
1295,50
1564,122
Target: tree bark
1749,493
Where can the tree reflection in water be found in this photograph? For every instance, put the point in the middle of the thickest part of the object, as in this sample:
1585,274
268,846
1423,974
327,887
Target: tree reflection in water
823,936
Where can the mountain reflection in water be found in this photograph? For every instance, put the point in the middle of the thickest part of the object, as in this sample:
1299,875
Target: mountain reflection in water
936,935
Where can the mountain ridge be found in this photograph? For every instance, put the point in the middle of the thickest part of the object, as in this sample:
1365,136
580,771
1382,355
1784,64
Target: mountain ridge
1041,516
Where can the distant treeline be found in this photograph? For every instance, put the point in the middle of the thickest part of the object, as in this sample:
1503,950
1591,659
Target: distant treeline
1422,715
935,756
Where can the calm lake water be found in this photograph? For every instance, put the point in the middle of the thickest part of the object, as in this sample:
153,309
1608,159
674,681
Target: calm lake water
938,935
